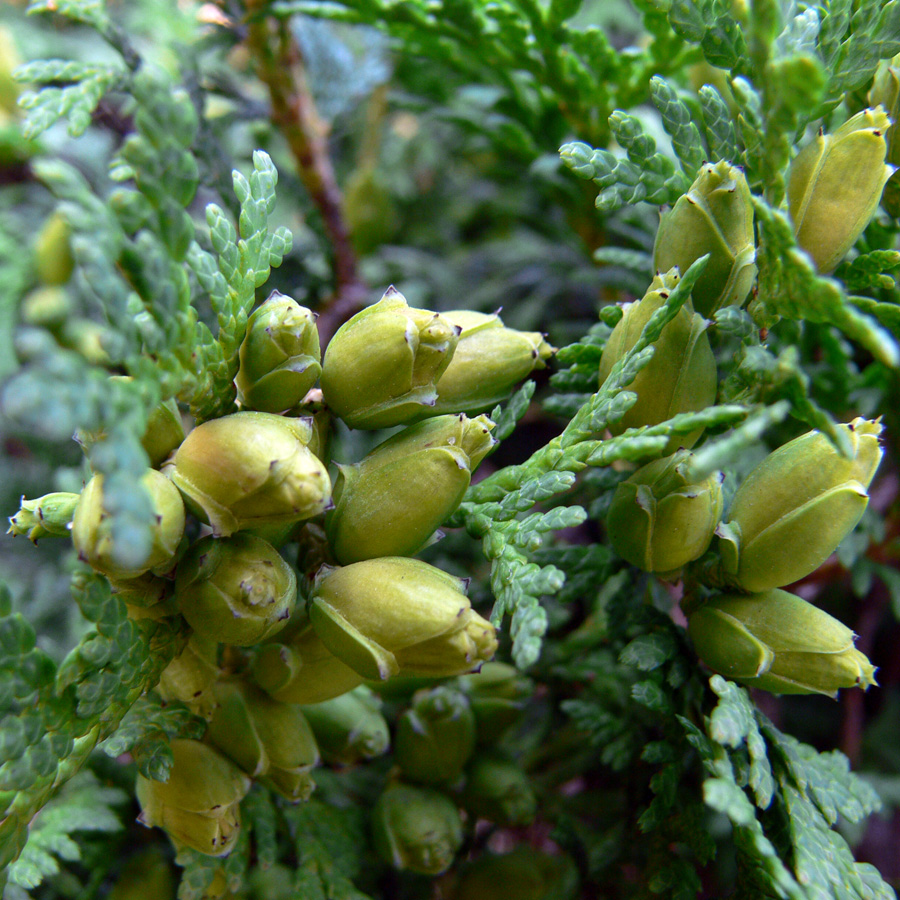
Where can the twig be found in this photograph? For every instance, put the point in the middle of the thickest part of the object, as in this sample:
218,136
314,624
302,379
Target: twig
280,67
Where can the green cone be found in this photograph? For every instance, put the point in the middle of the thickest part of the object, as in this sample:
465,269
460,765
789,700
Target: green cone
381,367
714,217
394,615
489,361
190,677
349,728
498,694
523,873
659,521
199,806
235,590
498,789
835,184
93,540
279,356
681,376
435,736
251,469
418,829
778,642
796,506
392,502
53,252
270,741
48,515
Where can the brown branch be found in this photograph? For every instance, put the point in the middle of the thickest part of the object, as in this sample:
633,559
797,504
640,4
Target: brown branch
279,65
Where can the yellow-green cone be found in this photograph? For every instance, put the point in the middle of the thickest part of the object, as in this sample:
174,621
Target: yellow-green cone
48,515
93,539
251,469
394,615
190,677
199,806
835,184
796,506
235,590
53,253
778,642
523,873
681,376
658,521
714,217
279,356
498,789
498,694
349,728
418,829
392,502
381,367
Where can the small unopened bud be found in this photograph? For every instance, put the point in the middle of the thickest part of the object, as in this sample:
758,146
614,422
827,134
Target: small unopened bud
796,506
48,515
417,829
498,789
681,376
92,535
381,367
191,675
714,217
235,590
349,728
835,184
394,616
498,694
524,873
659,521
199,806
250,469
391,503
435,736
53,252
279,356
778,642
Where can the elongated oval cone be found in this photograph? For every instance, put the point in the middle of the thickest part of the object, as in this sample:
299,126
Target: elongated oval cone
394,615
498,789
199,806
53,252
658,521
796,506
415,828
190,677
714,217
235,590
885,92
381,367
778,642
524,873
435,736
834,186
270,741
681,376
280,355
92,536
392,502
498,694
349,728
489,361
251,469
48,515
299,668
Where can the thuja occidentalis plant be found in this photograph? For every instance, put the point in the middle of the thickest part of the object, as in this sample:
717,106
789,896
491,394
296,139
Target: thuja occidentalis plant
450,449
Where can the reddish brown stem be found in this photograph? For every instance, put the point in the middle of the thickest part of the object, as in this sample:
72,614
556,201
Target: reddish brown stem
279,65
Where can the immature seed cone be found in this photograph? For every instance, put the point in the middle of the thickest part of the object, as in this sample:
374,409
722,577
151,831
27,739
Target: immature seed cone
190,677
349,728
394,615
392,502
299,668
659,521
681,376
834,186
418,829
498,694
199,806
524,873
885,92
796,506
714,217
778,642
53,252
435,736
251,469
92,536
270,741
280,355
235,590
489,361
381,367
48,515
498,789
